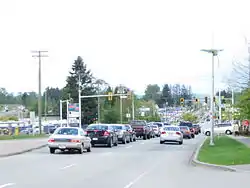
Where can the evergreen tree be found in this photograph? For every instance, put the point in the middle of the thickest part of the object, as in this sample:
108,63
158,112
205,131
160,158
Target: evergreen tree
166,95
89,105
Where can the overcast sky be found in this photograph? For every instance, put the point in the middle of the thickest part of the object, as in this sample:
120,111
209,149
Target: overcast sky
132,42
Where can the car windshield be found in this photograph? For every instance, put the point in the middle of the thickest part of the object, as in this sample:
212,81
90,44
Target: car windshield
186,124
118,127
154,126
67,131
171,129
184,128
97,127
159,124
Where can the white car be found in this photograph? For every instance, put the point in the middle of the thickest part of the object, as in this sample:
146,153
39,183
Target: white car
221,128
69,138
171,134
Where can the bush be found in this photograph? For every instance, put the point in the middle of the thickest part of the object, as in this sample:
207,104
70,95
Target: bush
9,118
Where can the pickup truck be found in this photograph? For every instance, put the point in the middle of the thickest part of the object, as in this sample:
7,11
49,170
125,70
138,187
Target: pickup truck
141,129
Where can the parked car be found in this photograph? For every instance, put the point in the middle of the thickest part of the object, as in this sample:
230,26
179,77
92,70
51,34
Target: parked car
171,134
221,128
102,134
68,138
159,124
131,133
197,128
190,126
122,132
141,128
186,132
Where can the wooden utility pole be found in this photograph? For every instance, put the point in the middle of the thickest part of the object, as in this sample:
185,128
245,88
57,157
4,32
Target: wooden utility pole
39,55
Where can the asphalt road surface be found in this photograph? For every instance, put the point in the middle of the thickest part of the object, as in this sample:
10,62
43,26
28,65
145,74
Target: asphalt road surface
142,164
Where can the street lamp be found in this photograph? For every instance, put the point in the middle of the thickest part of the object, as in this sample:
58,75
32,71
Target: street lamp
214,52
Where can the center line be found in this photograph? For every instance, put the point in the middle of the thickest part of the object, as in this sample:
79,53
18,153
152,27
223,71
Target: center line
6,185
68,166
135,180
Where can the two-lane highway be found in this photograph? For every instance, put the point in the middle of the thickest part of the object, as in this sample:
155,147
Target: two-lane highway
145,163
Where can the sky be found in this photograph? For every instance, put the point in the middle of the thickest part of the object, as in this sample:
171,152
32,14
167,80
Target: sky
132,42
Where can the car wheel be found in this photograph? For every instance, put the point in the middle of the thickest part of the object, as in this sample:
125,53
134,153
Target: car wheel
52,150
148,136
116,142
144,137
161,142
228,132
128,140
81,149
110,144
89,149
181,142
207,133
189,137
134,139
124,141
131,138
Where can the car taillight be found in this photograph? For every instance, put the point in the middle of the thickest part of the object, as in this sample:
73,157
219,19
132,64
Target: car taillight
163,132
187,131
106,133
51,140
178,133
75,140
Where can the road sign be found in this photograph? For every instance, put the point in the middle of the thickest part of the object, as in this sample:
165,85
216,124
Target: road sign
73,110
245,123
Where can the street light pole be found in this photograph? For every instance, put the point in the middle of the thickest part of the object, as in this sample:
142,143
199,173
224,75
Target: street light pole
219,105
133,106
80,101
214,52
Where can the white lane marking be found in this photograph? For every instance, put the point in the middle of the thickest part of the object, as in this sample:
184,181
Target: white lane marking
135,180
65,167
7,185
128,147
142,143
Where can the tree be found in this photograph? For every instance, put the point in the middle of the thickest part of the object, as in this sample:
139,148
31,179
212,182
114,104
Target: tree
152,92
240,76
166,95
189,117
89,105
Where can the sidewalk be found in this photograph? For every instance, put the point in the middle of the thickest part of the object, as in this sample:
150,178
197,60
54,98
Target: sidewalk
15,147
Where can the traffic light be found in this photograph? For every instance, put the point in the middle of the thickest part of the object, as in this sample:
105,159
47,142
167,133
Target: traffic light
214,99
206,100
110,96
196,100
182,100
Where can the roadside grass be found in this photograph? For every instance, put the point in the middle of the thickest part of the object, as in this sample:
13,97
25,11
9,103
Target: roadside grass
22,136
226,151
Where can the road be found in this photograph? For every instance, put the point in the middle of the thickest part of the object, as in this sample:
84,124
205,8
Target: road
142,164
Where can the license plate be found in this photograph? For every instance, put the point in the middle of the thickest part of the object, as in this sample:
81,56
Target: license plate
62,146
95,138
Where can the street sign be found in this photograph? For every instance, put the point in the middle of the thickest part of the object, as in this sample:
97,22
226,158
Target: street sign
73,110
245,123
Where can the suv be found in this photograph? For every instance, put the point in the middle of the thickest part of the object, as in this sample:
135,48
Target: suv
190,126
141,129
221,128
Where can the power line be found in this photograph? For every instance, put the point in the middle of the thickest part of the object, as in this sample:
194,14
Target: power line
39,54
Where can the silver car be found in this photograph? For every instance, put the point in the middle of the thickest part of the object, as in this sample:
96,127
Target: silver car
171,134
69,138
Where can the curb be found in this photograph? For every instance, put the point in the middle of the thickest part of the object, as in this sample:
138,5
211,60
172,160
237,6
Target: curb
23,151
196,162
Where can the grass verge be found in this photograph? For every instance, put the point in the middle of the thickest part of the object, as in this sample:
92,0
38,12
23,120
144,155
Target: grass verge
24,136
226,151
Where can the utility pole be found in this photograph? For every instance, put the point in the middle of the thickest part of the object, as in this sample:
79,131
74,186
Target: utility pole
45,105
80,100
219,105
99,104
133,106
214,53
39,55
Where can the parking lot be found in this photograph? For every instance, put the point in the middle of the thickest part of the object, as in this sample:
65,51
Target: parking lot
140,164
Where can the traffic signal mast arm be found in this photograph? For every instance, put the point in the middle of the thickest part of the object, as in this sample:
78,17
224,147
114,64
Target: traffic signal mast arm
113,95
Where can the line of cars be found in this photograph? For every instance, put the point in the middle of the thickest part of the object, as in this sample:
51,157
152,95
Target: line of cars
75,138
